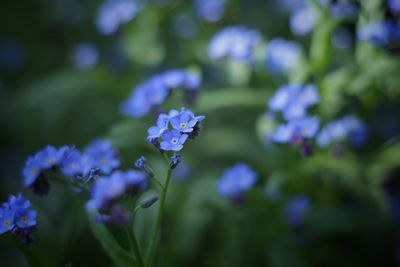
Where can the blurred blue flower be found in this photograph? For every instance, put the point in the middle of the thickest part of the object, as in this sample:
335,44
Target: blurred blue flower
173,140
85,56
103,156
108,189
349,128
296,130
25,218
282,55
236,180
303,20
296,209
75,164
210,10
290,5
12,55
31,170
140,162
394,5
113,13
380,33
155,90
235,42
49,157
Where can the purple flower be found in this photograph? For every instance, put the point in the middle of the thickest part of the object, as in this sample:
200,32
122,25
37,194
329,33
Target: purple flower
236,180
282,55
235,42
103,156
173,140
185,121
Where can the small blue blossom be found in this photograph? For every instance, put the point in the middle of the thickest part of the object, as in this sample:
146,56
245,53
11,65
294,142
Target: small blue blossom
304,128
49,157
296,209
6,220
25,218
235,42
162,126
113,13
236,180
282,55
175,160
85,56
135,180
349,128
103,155
173,140
31,171
302,22
185,121
210,10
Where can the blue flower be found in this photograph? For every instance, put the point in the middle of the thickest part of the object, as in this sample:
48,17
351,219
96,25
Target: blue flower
103,156
17,202
175,160
49,157
235,42
173,140
302,22
31,171
75,164
348,128
293,131
377,32
114,13
394,6
6,220
162,126
85,56
25,218
282,55
185,121
236,180
135,180
210,10
296,209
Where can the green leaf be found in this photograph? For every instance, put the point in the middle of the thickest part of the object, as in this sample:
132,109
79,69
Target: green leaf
320,51
110,245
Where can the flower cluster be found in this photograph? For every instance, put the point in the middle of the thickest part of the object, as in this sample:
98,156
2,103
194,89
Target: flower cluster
348,128
293,101
296,209
99,155
282,55
154,91
210,10
235,181
235,42
107,192
17,216
113,13
172,130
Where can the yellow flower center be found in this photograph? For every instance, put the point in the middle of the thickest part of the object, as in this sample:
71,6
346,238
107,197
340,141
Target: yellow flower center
6,223
24,219
183,125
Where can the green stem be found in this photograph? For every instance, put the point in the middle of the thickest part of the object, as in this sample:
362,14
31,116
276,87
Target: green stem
150,255
135,246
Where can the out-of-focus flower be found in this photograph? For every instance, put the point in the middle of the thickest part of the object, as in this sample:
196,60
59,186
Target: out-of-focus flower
155,90
282,55
113,13
302,22
394,6
296,209
85,56
380,33
235,42
296,130
236,180
103,155
349,128
210,10
75,164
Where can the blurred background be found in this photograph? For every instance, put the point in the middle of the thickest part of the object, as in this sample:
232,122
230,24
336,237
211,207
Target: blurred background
67,65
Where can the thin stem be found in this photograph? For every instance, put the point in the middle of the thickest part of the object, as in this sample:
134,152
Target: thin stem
135,246
150,254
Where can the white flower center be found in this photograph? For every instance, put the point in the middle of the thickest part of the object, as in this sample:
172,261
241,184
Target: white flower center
174,141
